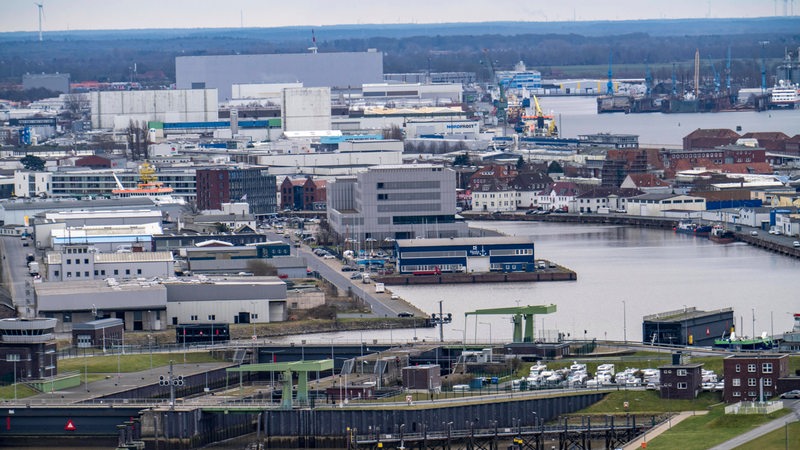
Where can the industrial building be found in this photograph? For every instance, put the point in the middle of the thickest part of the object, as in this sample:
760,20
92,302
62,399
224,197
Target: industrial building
688,326
80,262
232,260
56,82
397,202
333,70
140,304
306,109
20,212
116,109
27,349
234,300
481,254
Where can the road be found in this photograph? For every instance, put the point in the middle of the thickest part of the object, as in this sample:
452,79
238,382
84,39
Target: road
16,280
330,269
768,427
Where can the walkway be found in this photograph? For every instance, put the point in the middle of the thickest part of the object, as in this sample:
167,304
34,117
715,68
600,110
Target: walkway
765,428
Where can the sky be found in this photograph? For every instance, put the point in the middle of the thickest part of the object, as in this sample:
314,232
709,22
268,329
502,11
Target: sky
59,15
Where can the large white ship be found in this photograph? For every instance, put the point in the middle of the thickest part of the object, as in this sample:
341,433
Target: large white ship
149,187
784,95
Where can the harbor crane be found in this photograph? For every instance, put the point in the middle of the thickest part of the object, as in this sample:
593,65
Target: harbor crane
501,103
518,314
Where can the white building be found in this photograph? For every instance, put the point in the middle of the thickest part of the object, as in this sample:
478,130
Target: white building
31,184
227,300
656,205
83,262
116,109
306,109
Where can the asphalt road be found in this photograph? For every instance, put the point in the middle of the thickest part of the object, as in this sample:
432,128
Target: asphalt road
330,269
766,428
16,280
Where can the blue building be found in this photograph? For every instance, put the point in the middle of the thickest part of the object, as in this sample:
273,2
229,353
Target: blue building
482,254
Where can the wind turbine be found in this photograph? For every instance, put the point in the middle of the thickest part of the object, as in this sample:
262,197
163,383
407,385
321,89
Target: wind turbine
41,12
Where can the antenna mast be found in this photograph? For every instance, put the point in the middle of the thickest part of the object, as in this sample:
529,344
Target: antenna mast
40,6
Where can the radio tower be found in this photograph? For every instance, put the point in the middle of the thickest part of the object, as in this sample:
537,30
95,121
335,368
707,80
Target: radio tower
313,48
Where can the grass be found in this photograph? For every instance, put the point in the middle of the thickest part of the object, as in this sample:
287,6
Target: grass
129,363
7,392
703,432
648,402
780,439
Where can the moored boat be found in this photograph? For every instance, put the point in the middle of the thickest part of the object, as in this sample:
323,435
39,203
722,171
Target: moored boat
720,235
734,342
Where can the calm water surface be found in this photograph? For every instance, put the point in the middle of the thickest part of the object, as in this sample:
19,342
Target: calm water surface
652,271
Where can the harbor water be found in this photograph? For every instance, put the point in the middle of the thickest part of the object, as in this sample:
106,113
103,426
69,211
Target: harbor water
578,115
624,273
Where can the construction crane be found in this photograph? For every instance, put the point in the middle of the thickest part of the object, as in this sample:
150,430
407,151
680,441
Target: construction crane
519,313
501,103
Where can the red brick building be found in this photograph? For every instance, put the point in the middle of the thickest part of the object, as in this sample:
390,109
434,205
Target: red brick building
680,381
747,375
700,139
304,194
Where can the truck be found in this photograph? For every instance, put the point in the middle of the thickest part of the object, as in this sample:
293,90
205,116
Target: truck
33,268
380,288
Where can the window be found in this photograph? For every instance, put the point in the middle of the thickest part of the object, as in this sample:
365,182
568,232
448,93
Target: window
116,271
103,272
95,273
127,271
55,273
77,274
737,382
681,372
77,261
738,368
767,381
737,394
86,274
751,382
254,316
766,368
193,317
212,317
67,317
751,368
86,261
682,385
69,261
138,271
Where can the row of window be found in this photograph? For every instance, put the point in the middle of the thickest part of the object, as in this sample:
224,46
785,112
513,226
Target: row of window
78,261
750,382
210,317
57,273
752,394
765,367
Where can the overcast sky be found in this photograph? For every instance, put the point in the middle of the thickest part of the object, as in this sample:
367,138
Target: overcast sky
22,15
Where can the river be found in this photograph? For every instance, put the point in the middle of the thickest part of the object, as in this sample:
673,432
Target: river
624,273
578,115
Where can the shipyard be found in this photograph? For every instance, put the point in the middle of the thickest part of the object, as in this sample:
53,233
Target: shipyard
437,232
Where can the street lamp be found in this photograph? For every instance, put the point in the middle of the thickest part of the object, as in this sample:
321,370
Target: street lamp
624,322
490,330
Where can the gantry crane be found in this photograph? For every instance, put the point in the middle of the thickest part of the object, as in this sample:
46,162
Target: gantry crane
519,313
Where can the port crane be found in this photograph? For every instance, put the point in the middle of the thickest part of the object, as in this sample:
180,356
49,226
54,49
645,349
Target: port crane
519,313
501,103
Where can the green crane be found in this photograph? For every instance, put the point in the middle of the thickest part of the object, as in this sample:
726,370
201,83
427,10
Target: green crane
518,312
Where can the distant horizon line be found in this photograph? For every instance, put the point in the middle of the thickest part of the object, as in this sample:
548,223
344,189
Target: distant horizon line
406,24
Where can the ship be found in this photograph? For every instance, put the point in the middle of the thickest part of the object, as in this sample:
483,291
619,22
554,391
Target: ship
720,235
784,95
733,342
692,228
149,187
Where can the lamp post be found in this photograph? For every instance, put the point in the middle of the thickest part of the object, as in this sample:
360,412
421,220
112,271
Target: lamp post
624,322
14,359
490,330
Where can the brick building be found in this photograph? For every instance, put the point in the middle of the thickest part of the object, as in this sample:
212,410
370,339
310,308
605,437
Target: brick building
680,381
304,194
253,185
747,375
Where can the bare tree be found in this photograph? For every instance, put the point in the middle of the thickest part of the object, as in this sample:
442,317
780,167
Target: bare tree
137,139
76,105
261,268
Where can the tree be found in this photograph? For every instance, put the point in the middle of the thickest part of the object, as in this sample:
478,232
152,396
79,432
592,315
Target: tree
31,162
461,160
554,167
261,268
520,163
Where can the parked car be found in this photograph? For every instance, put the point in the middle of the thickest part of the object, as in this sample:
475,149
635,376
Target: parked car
405,314
791,394
754,233
328,256
350,269
355,276
796,244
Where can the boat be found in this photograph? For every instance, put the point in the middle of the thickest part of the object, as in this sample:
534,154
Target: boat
684,227
720,235
149,187
784,95
733,342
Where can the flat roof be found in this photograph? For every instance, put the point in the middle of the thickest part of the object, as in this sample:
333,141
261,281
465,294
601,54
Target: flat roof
680,315
94,287
491,240
128,257
97,324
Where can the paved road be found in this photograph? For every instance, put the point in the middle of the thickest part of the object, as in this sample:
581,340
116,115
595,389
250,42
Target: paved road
766,428
330,269
16,280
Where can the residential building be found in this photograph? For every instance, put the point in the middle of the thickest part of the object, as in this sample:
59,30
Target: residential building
253,185
303,194
709,138
680,381
603,199
747,376
32,184
397,202
558,196
645,182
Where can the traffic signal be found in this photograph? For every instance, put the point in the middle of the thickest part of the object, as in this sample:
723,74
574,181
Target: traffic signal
162,381
178,381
